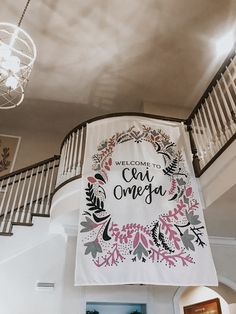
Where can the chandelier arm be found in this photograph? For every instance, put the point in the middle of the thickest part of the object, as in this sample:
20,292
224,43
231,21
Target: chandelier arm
23,13
18,53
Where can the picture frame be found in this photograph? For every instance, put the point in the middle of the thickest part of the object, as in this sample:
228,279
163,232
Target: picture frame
209,306
9,146
117,307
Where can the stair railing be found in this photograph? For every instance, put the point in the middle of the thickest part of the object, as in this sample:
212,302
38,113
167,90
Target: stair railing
212,124
26,193
72,154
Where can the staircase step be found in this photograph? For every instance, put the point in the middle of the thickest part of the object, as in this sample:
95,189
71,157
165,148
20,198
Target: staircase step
26,224
40,215
5,226
22,217
41,210
6,234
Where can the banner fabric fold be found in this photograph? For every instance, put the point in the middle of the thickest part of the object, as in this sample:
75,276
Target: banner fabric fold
141,216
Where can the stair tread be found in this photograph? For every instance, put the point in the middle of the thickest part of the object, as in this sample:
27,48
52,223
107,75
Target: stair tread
27,224
6,233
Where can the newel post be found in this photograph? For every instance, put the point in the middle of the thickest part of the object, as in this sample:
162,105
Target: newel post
195,162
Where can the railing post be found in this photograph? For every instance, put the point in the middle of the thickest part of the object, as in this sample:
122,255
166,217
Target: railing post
196,161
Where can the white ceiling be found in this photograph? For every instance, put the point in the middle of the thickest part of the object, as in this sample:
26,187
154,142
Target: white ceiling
113,54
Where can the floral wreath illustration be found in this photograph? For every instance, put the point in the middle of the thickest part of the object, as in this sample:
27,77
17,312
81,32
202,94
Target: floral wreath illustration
170,238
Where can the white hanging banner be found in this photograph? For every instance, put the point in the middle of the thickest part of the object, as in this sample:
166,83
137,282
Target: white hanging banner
141,218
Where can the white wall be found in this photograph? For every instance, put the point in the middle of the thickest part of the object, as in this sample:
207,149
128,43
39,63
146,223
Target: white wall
19,275
225,261
24,239
218,179
157,298
54,261
232,308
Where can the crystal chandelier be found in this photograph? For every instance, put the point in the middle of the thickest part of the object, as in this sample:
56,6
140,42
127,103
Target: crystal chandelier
17,56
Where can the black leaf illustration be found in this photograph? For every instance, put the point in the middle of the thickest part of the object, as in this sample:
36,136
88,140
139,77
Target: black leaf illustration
173,198
100,219
171,168
159,238
105,235
164,244
155,231
99,177
94,203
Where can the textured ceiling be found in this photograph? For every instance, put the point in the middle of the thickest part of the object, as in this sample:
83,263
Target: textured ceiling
108,53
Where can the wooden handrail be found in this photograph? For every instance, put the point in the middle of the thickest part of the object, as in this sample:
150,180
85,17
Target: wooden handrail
219,116
40,163
27,177
195,162
213,82
220,152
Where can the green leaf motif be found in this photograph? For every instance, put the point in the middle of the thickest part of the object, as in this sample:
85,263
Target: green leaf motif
193,219
102,145
140,249
88,225
187,240
186,200
93,247
181,181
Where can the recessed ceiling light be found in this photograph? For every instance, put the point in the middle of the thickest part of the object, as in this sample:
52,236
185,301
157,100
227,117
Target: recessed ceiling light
225,44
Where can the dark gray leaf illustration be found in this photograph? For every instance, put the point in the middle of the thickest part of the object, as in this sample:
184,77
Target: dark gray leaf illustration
193,219
187,240
181,181
186,200
140,249
88,225
93,247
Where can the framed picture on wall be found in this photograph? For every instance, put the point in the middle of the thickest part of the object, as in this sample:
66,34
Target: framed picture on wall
115,307
9,146
206,307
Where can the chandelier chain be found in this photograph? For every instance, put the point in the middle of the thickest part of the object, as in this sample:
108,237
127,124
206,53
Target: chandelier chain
23,13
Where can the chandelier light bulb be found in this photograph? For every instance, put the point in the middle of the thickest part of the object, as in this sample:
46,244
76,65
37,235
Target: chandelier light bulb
11,82
5,52
12,64
17,56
